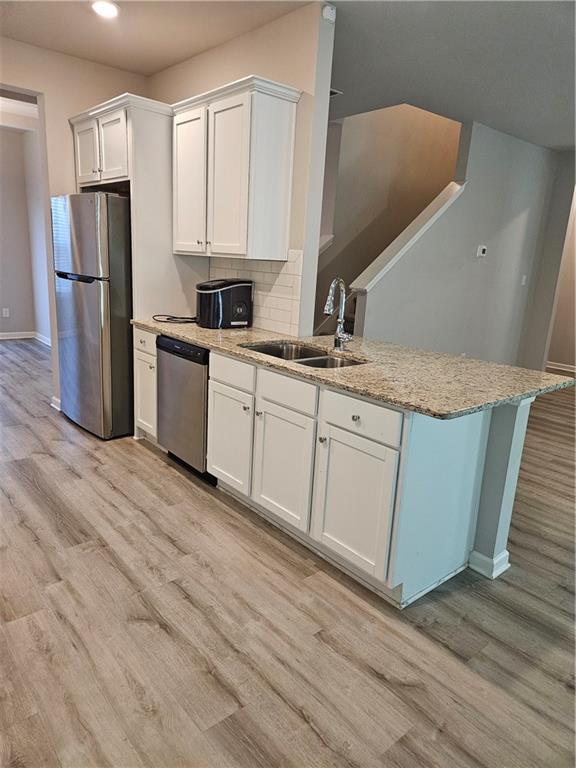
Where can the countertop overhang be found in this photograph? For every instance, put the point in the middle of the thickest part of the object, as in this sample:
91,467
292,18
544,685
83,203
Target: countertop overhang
431,383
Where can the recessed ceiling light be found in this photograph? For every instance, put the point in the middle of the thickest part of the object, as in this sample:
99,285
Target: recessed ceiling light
105,8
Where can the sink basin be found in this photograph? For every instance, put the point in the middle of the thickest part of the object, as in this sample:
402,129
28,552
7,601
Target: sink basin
331,362
286,350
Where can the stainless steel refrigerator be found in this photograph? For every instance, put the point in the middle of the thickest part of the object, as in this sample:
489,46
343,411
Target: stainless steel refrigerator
91,237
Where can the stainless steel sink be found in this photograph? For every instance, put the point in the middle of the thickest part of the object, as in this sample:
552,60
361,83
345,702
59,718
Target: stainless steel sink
331,362
286,350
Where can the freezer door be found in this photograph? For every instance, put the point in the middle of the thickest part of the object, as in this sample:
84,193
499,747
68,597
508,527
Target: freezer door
80,234
83,310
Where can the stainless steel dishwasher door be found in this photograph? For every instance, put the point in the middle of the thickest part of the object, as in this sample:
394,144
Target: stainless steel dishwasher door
183,402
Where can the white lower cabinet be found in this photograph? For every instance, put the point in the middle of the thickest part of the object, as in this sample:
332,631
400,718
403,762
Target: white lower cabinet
283,462
230,430
145,392
354,488
337,489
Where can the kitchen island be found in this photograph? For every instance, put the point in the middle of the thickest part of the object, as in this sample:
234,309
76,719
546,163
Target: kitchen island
400,469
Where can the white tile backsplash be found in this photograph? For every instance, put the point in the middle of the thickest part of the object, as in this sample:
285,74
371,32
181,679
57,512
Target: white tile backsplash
276,289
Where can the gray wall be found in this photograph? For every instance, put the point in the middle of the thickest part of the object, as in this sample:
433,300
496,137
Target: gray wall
16,286
439,295
38,226
392,164
563,342
540,313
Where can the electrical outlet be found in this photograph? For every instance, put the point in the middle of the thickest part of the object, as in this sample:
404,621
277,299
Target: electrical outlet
524,280
481,252
5,311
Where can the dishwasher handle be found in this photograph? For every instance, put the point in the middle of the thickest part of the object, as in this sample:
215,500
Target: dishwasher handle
190,352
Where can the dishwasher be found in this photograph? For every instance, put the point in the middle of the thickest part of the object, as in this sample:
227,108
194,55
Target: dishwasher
183,400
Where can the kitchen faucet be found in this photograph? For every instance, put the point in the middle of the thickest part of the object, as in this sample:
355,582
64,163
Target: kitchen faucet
340,337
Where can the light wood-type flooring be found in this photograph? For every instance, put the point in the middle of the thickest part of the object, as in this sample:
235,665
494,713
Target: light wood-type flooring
148,620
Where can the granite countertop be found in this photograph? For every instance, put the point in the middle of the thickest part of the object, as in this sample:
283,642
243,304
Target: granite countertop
438,385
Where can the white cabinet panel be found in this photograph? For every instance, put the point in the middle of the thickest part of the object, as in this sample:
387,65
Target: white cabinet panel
230,428
145,392
144,341
228,171
189,171
227,370
284,390
366,419
113,145
86,148
354,494
283,462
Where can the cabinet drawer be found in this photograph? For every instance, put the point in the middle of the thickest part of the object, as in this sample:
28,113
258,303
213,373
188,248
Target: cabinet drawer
366,419
298,395
144,341
233,372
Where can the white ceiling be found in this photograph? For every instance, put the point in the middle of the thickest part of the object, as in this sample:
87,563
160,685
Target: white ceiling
509,65
146,37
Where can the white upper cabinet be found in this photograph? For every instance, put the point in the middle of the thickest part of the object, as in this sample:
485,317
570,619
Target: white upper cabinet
87,151
228,169
101,148
113,145
237,187
189,177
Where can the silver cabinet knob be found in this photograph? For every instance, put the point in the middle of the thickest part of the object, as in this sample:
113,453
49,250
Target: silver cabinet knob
258,413
246,408
321,439
199,242
152,367
355,417
142,341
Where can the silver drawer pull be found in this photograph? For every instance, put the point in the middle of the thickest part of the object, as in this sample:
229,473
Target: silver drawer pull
321,439
355,417
152,367
142,341
258,413
199,242
245,407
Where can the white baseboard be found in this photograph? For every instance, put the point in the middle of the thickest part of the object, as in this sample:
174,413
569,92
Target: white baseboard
491,567
55,403
26,335
17,335
561,368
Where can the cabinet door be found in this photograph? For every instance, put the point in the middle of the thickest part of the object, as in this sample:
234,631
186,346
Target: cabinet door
87,152
230,426
145,392
189,177
354,495
228,170
283,462
113,145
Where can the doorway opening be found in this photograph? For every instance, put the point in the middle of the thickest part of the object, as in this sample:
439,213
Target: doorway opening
26,284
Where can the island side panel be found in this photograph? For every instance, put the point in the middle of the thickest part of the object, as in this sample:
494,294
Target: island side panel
503,456
437,500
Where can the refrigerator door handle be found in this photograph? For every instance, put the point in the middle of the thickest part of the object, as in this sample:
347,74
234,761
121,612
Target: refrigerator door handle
76,278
